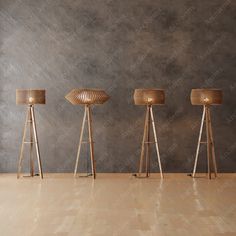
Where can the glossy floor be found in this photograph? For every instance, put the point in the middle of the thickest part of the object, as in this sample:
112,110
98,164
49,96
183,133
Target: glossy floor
117,204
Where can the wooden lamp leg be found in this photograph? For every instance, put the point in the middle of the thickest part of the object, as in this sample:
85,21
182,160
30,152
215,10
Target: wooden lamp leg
31,145
143,142
91,141
80,141
36,142
199,141
23,143
148,144
156,142
212,144
208,143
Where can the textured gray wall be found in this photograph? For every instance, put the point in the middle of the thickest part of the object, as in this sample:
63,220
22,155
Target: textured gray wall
117,46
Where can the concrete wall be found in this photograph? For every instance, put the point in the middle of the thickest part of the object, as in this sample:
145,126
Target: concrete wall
117,46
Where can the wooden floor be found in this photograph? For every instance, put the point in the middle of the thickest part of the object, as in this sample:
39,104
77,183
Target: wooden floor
117,204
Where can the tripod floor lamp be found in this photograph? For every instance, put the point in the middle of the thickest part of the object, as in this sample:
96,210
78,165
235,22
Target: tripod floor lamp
30,97
206,98
149,97
87,97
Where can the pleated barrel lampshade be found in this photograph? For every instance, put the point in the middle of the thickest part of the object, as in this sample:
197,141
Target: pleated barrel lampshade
30,96
149,97
206,96
87,96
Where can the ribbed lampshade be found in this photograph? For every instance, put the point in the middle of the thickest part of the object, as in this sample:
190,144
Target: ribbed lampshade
149,97
87,96
206,96
30,96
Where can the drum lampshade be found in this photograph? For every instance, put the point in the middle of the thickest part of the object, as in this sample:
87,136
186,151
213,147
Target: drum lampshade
206,96
149,97
30,96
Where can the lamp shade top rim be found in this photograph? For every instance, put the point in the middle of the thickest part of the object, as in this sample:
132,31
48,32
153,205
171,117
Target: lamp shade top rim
31,89
88,89
206,89
149,89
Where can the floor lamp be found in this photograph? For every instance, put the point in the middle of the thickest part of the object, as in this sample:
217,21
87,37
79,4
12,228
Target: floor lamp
87,97
30,97
206,98
149,97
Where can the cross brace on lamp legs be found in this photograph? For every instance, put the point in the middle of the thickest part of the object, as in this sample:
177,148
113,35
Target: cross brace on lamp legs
87,117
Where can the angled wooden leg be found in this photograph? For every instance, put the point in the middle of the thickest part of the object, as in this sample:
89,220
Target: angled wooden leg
36,143
148,144
143,142
91,141
208,143
212,145
31,146
80,141
199,141
22,144
156,142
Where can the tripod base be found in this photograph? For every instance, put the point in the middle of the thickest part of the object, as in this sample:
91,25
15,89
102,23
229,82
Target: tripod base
211,160
30,121
145,151
87,117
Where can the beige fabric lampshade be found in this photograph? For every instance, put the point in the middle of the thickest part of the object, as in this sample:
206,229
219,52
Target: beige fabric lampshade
206,96
30,96
149,97
87,96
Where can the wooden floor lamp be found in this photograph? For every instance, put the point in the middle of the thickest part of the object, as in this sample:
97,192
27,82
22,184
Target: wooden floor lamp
30,97
149,97
206,98
87,97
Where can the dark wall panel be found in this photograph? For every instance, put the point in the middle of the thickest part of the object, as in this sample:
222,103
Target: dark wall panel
117,46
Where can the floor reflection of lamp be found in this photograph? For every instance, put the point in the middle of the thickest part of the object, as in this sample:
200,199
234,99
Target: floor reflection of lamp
206,98
87,97
149,97
30,97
